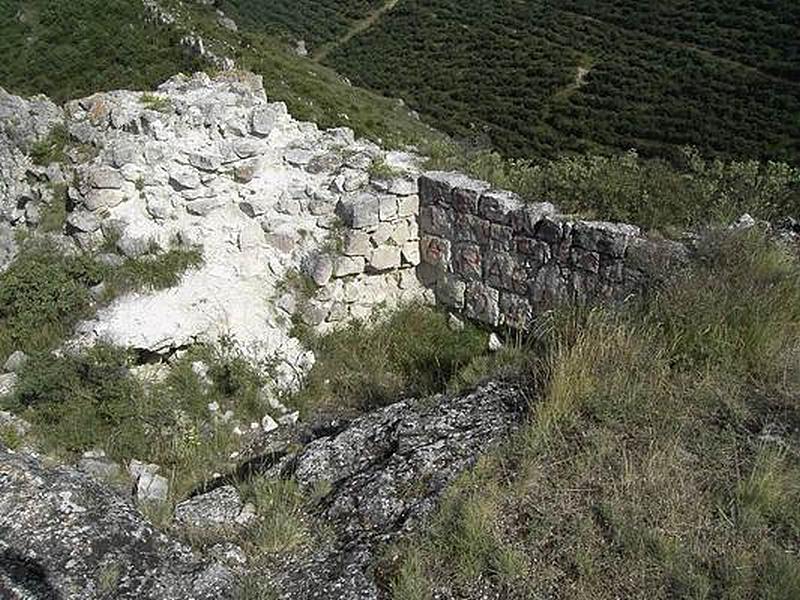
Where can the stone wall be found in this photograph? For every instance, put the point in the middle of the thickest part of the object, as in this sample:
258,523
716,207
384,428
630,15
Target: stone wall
373,255
499,260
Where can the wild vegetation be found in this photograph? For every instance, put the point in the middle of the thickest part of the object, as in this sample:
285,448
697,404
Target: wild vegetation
315,21
72,49
46,291
537,79
686,193
660,460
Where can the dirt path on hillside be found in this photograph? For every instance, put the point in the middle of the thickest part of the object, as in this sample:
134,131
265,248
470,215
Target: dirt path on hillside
359,27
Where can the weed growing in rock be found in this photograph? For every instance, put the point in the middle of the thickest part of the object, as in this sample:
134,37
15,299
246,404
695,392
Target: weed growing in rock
55,214
10,437
153,271
51,148
284,521
157,103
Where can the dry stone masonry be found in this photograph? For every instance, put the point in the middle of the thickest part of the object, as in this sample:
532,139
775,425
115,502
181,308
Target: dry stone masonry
500,260
212,164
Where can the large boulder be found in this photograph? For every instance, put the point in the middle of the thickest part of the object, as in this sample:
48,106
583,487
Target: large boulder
65,536
386,472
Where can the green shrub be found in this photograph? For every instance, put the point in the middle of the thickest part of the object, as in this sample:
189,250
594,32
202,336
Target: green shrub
91,399
82,401
42,295
45,291
410,352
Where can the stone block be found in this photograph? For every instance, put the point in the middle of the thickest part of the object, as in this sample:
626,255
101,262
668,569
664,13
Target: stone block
515,311
435,189
385,258
321,270
152,488
401,233
106,178
408,206
202,208
382,234
83,221
359,212
103,198
482,303
503,235
582,286
387,208
184,178
450,291
497,206
467,261
469,228
436,220
536,250
349,265
549,231
217,508
548,288
525,220
503,270
605,238
356,243
435,251
465,200
585,260
205,161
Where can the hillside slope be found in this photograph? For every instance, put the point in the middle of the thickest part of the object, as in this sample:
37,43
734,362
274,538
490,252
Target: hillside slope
541,78
66,50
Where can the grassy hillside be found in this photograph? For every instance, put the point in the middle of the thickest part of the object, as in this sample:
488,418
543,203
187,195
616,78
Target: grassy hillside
540,78
315,21
72,49
660,460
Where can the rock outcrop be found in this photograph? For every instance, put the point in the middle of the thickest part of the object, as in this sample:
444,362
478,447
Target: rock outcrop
385,473
64,536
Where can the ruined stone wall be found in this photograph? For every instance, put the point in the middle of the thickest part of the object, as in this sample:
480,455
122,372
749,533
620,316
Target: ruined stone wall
373,256
497,259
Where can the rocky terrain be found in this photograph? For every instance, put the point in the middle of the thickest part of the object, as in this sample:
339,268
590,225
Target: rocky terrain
209,164
274,206
298,230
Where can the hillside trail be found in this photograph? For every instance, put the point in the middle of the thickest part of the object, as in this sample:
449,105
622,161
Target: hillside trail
359,27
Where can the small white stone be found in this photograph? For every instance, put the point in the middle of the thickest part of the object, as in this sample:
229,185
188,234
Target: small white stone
495,344
213,407
290,419
268,424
